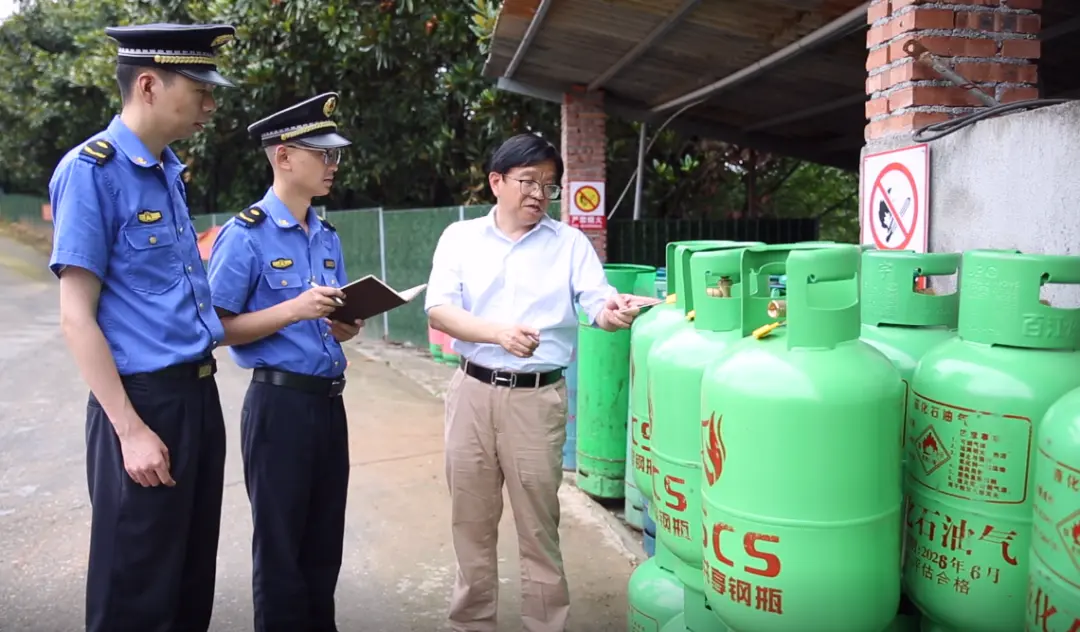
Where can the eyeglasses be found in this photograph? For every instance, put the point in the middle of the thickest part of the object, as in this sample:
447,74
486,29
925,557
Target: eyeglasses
529,187
330,156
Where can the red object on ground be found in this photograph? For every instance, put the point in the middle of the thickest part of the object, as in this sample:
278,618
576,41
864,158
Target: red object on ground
206,241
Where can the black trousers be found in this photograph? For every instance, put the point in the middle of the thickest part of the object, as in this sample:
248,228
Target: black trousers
296,467
153,550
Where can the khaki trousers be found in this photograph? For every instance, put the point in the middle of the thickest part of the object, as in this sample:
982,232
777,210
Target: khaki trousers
514,435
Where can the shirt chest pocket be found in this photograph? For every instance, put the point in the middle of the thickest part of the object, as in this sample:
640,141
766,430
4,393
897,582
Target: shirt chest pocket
283,285
329,279
152,262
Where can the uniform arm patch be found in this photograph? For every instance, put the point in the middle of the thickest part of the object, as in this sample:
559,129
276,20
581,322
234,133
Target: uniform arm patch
98,151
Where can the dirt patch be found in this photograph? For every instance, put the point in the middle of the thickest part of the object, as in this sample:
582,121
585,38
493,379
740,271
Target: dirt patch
36,236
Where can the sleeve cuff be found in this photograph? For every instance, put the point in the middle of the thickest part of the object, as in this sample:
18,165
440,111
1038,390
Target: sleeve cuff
227,304
62,259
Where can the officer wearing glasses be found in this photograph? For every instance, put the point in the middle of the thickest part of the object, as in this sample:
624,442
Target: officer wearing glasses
275,271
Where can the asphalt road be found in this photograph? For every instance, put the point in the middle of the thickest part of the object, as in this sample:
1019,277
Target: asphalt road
398,566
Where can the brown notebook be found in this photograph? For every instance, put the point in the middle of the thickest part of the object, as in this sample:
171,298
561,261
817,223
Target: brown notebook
369,297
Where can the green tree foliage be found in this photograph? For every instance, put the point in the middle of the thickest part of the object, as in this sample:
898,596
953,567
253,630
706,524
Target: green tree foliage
413,101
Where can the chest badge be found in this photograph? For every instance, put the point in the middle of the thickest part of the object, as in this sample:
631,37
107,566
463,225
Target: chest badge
329,264
149,217
281,264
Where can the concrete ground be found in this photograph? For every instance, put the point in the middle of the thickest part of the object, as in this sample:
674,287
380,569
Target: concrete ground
399,565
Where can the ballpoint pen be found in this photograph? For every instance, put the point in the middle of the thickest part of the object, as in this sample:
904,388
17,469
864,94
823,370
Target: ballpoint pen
338,301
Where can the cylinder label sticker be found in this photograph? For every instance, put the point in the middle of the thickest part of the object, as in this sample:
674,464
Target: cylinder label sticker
959,554
758,562
672,504
1055,546
969,454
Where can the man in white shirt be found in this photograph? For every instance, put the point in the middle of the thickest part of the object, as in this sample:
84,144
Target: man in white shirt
504,286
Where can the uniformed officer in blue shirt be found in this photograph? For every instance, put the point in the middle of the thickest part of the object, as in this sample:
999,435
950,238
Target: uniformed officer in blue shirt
275,270
137,315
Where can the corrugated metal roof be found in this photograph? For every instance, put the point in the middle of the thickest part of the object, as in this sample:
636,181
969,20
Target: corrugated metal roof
579,40
810,106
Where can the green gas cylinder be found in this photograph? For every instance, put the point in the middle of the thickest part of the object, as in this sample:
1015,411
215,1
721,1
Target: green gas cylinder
801,499
1053,598
902,321
655,324
678,624
899,320
975,404
604,392
654,595
675,371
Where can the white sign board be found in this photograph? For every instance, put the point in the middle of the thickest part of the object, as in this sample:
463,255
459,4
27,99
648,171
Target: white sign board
587,205
895,200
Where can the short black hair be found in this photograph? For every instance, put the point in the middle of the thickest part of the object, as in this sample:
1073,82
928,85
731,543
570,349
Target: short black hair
525,150
127,73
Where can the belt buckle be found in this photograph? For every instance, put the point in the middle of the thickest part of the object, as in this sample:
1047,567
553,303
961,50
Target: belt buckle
206,370
498,380
337,387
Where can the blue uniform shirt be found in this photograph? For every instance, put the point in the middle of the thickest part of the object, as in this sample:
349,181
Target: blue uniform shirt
259,264
122,214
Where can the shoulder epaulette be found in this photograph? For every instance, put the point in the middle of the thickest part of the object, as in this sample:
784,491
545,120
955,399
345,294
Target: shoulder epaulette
251,217
327,225
98,151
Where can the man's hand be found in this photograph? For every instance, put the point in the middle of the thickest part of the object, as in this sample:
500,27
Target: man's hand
343,332
620,311
315,303
146,458
519,340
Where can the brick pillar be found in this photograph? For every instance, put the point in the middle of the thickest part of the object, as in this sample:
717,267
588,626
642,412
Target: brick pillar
584,144
992,43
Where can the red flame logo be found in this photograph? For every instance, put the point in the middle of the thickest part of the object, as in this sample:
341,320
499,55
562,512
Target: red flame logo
714,451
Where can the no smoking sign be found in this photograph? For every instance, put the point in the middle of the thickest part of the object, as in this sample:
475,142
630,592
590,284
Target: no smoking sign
587,208
895,199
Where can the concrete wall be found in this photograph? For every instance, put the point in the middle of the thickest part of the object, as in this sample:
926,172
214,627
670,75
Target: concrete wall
1008,182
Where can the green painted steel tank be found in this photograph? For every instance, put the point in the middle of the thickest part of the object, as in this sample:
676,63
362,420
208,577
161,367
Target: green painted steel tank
678,624
801,501
675,371
1053,597
975,405
655,324
654,595
634,504
901,321
604,392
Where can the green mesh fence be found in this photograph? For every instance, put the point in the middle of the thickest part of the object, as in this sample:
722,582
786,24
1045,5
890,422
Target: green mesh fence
359,234
409,238
22,208
408,242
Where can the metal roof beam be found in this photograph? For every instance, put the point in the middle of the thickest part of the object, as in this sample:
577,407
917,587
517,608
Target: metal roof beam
661,30
633,112
800,115
844,25
1056,31
530,34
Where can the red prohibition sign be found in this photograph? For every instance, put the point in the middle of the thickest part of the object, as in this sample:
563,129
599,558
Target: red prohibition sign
907,231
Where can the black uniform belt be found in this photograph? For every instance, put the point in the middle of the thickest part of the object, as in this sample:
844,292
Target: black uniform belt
328,386
196,370
512,379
